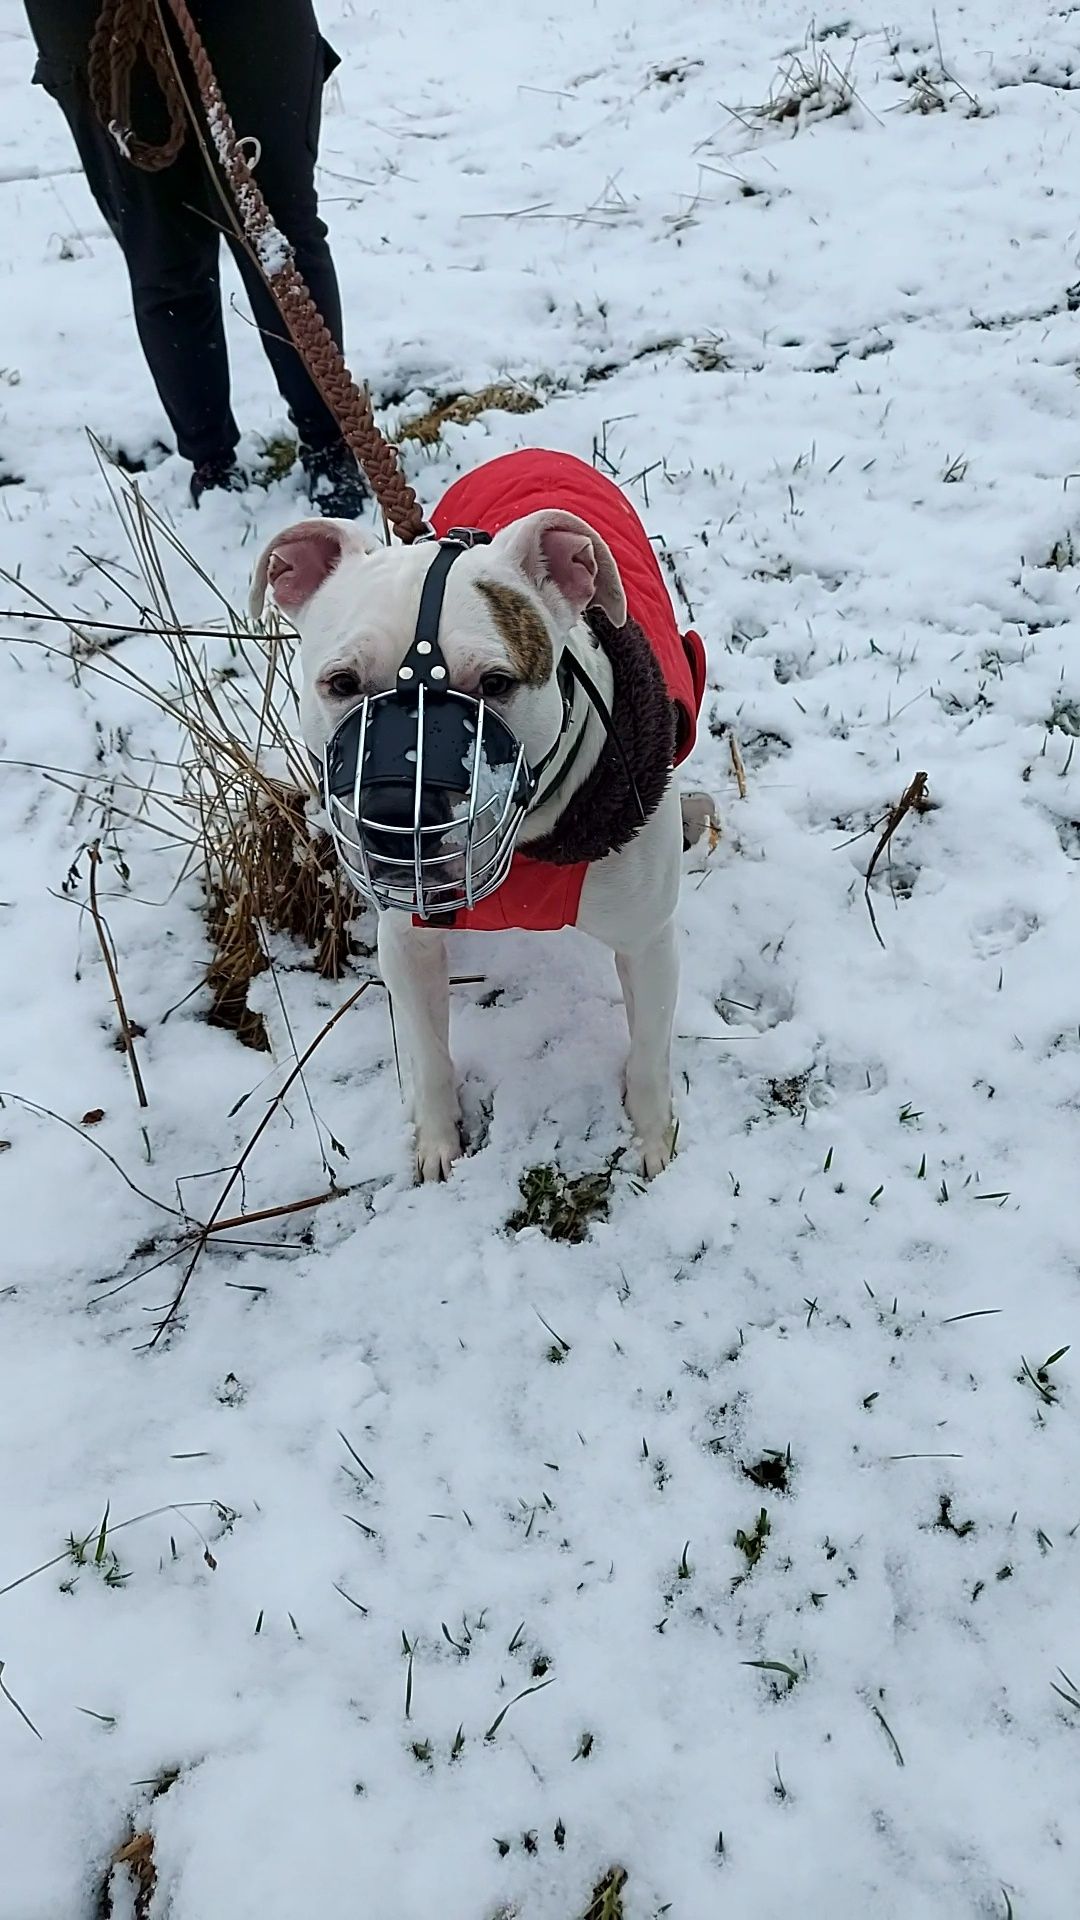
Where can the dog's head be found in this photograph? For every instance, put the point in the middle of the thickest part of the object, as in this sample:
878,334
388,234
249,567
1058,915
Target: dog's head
507,611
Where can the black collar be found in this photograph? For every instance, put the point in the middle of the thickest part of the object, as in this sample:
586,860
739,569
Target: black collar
571,671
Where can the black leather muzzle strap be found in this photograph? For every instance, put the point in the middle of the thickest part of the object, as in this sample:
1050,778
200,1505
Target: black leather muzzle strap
424,664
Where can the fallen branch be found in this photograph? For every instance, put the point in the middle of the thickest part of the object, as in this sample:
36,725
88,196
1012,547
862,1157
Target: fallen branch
287,1206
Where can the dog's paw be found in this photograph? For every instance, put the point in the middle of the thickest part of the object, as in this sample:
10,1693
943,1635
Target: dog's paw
651,1115
657,1153
436,1150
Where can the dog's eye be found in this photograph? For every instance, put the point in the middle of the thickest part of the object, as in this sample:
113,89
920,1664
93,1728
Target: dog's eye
496,686
342,686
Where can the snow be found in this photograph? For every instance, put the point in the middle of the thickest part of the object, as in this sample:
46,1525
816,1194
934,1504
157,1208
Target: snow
271,247
783,335
273,250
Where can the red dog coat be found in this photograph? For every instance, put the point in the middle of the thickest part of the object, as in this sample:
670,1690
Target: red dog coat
538,894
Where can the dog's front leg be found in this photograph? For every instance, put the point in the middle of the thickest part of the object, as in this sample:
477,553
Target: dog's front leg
413,963
649,976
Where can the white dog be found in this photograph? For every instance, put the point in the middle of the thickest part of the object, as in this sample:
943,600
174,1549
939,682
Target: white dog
510,609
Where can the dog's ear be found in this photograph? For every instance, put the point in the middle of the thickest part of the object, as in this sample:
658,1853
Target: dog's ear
567,563
294,563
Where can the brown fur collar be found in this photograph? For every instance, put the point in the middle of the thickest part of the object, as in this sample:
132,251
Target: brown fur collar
603,814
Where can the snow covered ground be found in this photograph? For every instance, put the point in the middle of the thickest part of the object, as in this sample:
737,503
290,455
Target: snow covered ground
833,360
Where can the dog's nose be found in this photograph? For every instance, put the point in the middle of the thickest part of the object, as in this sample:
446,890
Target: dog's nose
392,811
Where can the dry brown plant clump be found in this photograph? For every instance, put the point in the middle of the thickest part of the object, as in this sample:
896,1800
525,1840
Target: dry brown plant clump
243,782
461,409
250,789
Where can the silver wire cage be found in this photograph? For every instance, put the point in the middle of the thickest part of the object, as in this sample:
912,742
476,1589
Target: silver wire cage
470,791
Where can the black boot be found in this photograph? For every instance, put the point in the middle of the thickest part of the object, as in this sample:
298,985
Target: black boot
222,475
336,485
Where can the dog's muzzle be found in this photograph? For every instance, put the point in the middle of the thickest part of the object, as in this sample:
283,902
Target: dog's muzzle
425,794
426,788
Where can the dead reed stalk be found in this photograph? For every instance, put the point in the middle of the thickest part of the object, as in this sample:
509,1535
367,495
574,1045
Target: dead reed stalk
912,800
127,1031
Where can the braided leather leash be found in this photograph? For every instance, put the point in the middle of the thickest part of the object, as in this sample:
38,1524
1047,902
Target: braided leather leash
124,29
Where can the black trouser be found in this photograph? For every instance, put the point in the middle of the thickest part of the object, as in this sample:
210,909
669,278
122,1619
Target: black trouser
271,63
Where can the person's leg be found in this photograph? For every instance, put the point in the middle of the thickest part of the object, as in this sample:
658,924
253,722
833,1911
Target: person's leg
170,249
274,92
273,86
172,258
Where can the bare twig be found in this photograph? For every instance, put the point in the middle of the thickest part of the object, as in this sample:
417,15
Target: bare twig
105,943
287,1206
913,798
47,1113
173,1506
10,1697
205,1232
945,72
117,629
737,766
888,1732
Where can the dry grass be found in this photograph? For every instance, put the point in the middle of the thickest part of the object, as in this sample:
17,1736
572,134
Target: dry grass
461,409
940,93
926,96
265,871
241,788
606,1903
425,429
810,86
934,87
136,1858
710,355
130,1879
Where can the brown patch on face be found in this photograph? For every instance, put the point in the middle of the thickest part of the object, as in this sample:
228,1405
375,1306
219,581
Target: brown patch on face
528,643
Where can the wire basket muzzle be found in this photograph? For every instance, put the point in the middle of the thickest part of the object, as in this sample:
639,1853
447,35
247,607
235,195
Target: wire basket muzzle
425,793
